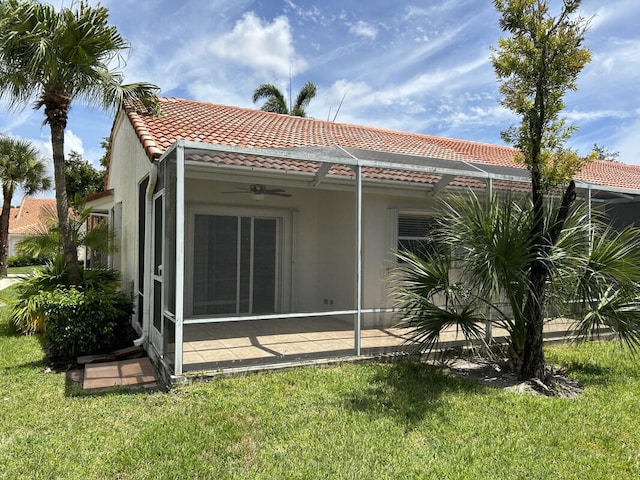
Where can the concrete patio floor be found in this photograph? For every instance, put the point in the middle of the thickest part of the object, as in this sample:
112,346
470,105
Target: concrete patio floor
230,345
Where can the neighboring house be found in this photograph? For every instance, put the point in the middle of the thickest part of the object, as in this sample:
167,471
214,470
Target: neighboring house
34,216
252,237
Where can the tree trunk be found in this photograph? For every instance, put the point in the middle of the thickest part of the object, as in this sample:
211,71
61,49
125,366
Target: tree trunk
7,195
69,248
533,365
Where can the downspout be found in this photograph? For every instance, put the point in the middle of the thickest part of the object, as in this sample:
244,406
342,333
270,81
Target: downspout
146,287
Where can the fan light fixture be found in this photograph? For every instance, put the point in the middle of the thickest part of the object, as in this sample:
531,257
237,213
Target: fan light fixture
257,191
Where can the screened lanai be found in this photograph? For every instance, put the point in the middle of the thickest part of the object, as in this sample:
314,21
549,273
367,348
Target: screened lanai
255,257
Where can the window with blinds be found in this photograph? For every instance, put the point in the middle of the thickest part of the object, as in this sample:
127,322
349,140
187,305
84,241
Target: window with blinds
416,233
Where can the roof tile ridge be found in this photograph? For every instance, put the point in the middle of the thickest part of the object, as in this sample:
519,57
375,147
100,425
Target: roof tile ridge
146,139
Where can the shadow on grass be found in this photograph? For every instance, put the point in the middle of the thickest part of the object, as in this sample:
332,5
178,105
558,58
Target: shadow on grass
7,329
74,389
589,373
410,391
19,367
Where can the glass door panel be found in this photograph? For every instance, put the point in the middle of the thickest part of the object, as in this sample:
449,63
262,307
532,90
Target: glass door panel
235,264
215,264
264,265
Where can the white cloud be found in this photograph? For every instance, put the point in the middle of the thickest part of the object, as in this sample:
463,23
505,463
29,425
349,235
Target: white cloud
588,116
311,14
365,30
72,142
610,13
14,118
625,141
264,47
618,58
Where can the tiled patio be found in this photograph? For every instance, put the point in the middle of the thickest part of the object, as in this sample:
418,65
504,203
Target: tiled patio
136,372
218,346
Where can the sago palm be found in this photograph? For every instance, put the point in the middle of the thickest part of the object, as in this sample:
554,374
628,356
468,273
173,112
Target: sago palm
20,167
58,58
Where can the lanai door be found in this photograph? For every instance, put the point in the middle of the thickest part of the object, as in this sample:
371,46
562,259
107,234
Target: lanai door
235,264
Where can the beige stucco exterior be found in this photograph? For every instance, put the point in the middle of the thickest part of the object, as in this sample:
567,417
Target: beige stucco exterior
317,266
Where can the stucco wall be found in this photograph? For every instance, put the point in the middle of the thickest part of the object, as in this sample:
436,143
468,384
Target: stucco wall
318,243
319,247
129,165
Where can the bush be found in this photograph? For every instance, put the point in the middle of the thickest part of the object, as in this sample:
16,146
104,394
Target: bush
85,322
27,312
24,261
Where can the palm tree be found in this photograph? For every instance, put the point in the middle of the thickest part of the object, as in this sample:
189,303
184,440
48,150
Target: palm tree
594,278
59,57
20,166
275,101
93,236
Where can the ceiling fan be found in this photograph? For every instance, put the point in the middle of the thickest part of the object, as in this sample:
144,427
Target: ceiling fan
258,191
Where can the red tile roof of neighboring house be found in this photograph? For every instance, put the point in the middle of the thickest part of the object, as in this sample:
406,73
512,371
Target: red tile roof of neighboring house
33,216
218,124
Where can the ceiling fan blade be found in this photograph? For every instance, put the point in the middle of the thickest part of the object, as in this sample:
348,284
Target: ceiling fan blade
259,189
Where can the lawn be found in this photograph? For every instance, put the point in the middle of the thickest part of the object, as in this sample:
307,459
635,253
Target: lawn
352,421
23,270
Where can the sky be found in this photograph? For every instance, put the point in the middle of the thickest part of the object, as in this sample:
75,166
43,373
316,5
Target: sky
412,65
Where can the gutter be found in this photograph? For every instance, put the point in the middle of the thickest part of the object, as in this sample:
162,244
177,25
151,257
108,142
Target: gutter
146,288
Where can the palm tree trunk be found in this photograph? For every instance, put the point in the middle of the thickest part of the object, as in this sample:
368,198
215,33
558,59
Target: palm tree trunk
7,195
69,248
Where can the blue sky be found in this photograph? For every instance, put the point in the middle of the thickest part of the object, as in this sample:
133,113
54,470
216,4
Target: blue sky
420,66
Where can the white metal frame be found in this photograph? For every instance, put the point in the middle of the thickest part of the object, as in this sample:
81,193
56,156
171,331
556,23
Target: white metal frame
326,160
157,336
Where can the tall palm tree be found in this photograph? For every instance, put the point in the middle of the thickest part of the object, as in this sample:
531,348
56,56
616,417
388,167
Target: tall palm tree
59,57
20,166
275,101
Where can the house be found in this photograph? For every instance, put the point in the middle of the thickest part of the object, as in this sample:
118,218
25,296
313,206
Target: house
249,237
34,216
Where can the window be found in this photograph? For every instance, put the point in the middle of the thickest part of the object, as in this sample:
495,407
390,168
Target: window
416,233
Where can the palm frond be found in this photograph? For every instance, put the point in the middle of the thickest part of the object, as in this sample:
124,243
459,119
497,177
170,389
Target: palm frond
275,101
616,310
306,94
430,303
429,321
491,242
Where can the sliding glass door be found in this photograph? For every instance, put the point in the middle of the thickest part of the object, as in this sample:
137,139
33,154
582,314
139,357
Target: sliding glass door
235,264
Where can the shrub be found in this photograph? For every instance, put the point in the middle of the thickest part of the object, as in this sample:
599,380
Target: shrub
27,312
85,322
24,261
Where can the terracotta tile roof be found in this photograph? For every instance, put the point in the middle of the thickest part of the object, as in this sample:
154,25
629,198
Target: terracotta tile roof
33,216
219,124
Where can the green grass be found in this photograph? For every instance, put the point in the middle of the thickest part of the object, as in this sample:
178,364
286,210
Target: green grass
23,270
352,421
